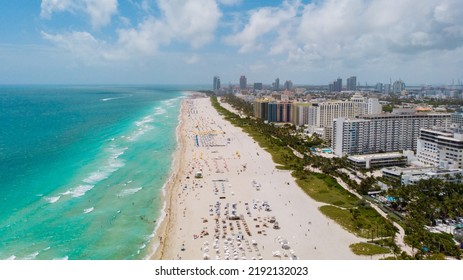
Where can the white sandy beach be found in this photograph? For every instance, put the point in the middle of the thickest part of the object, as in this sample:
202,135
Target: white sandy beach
231,212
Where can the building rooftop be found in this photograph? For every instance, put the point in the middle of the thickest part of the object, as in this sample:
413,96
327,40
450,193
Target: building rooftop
410,169
376,156
393,115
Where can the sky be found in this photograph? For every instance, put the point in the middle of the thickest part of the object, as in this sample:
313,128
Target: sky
190,41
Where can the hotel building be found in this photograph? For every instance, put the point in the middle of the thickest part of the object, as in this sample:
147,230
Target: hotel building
273,111
318,116
440,148
381,133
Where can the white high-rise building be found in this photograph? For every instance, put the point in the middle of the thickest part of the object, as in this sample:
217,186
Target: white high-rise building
398,86
382,132
321,115
352,83
374,107
440,148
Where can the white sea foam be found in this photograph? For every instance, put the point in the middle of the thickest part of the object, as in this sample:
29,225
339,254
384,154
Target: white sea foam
160,111
142,130
143,246
65,258
96,177
170,102
114,98
116,152
46,249
13,257
114,164
143,127
144,121
78,191
88,210
126,192
31,256
52,199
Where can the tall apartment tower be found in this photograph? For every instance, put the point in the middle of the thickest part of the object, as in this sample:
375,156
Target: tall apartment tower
288,85
382,132
216,83
276,85
387,88
273,111
338,85
440,148
352,83
398,86
379,87
335,86
243,82
258,86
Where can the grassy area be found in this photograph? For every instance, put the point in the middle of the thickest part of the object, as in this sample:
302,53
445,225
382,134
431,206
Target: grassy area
281,155
363,222
325,189
367,249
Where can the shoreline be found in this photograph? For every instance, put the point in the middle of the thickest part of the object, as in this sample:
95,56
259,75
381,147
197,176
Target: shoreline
160,233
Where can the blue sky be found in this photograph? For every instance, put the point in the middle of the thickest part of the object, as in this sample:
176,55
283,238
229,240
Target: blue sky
190,41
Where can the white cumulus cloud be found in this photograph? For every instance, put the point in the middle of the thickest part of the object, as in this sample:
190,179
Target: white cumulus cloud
191,22
85,46
261,22
352,32
99,12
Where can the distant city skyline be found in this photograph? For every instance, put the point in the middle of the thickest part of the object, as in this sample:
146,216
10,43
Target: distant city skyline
190,41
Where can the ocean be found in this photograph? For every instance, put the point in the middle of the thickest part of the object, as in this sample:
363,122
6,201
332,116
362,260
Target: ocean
82,169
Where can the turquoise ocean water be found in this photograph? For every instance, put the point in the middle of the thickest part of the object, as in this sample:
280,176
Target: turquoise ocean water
82,169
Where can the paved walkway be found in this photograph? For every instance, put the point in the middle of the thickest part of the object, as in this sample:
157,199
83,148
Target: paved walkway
399,237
